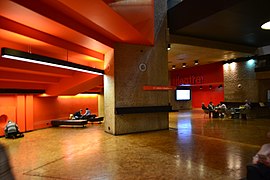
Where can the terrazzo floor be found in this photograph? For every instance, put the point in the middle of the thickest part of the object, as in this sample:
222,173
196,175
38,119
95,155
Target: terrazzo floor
194,147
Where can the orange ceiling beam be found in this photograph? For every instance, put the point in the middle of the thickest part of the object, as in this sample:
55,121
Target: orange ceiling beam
85,86
58,12
139,14
18,28
71,86
103,17
94,19
22,77
31,68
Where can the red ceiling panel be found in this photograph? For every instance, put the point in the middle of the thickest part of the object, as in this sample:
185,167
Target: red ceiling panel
80,31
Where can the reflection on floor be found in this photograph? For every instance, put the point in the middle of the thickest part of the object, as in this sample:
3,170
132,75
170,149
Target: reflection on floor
194,147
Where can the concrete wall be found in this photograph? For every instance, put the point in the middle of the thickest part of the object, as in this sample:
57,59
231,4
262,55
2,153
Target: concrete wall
109,93
263,77
240,82
129,82
124,81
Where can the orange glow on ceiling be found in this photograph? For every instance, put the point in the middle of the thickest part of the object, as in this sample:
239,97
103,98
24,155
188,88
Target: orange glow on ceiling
79,96
44,95
84,57
17,38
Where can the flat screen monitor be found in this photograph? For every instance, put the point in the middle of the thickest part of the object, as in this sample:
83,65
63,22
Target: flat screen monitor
183,94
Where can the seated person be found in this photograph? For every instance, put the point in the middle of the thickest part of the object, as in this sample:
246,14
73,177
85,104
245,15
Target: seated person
86,114
204,107
78,114
222,106
12,130
211,108
222,109
244,109
262,162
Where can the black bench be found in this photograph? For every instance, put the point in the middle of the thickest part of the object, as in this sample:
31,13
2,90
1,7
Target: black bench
57,123
95,119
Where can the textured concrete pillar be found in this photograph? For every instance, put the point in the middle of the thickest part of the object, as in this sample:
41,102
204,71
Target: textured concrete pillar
240,82
109,93
128,69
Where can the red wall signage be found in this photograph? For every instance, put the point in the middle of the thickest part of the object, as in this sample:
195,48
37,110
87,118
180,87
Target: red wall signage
163,88
204,81
204,74
192,79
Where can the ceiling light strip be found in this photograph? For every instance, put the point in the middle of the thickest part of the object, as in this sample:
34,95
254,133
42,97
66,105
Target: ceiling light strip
43,60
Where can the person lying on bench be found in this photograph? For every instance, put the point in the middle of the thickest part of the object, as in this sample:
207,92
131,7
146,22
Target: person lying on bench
78,114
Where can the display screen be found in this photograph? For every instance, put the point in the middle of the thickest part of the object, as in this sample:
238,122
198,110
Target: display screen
183,94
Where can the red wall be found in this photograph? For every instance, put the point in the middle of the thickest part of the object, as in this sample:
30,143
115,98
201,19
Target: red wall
7,107
205,95
34,112
48,108
200,78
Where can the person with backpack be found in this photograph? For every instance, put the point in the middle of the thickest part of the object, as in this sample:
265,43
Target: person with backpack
12,130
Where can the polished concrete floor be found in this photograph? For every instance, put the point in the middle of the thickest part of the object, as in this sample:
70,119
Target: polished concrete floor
195,147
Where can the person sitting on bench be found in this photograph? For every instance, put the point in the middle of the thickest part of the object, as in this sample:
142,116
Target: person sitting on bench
12,130
86,114
211,109
78,114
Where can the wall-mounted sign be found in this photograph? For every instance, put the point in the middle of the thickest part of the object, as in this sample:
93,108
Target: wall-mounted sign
158,88
189,80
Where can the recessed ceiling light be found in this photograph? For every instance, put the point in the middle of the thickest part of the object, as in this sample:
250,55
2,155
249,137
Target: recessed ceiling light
169,47
266,26
184,65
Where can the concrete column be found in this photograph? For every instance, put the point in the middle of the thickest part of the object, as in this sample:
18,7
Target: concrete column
109,93
128,69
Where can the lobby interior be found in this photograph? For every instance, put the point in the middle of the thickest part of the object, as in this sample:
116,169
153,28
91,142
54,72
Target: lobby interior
184,144
194,147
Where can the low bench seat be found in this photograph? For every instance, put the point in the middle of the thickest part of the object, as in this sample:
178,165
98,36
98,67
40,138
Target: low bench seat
81,122
95,119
